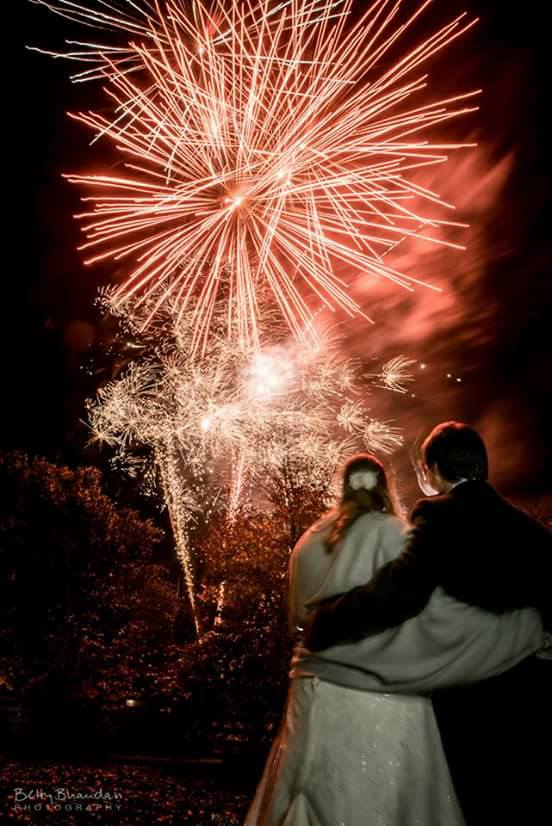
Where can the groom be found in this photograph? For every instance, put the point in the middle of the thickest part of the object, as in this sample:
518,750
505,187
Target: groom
483,551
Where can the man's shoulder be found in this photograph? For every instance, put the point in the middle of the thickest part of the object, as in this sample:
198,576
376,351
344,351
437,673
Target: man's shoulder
433,506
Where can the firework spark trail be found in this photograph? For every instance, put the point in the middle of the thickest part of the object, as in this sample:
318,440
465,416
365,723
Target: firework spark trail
132,17
270,143
221,425
395,374
177,495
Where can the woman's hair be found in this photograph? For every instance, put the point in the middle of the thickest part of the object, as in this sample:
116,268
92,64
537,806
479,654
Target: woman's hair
366,487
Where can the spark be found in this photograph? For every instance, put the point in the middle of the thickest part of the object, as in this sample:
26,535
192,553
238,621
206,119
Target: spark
220,603
382,436
395,374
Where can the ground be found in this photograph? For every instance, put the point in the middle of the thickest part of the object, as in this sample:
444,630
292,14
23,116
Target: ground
128,794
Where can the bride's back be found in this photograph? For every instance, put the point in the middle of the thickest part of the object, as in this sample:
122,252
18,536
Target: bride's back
318,572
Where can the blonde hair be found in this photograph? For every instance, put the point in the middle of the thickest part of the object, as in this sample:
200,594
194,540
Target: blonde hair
357,501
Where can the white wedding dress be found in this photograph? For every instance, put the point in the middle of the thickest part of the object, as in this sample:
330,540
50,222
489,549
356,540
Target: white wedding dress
346,756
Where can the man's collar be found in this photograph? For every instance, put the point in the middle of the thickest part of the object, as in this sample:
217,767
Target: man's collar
466,487
458,482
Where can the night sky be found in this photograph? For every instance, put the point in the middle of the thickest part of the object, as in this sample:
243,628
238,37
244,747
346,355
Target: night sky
490,327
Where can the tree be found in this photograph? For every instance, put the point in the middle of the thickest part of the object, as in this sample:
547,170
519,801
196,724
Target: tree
242,567
95,609
237,673
299,489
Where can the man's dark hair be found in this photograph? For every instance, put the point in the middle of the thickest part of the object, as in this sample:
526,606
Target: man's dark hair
458,451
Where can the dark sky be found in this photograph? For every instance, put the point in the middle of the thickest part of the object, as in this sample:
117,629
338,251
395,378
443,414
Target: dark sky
491,326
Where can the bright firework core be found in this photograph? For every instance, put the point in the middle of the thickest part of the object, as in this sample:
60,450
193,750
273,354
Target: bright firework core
276,144
269,375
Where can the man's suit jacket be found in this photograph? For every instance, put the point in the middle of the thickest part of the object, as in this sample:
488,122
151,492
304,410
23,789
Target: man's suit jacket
476,545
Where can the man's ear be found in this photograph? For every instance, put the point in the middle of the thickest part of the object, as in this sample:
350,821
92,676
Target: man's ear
434,475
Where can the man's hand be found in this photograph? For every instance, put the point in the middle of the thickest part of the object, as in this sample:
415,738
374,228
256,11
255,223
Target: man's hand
318,629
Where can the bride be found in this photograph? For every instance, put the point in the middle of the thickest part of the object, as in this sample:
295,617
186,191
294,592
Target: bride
359,744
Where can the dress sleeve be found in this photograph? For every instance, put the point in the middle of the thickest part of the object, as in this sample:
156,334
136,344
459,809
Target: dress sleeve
296,584
292,602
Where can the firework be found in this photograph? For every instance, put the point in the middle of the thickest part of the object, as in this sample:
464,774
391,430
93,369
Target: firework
219,427
382,437
276,144
395,374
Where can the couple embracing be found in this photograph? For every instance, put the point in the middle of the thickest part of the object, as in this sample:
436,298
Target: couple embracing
421,684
